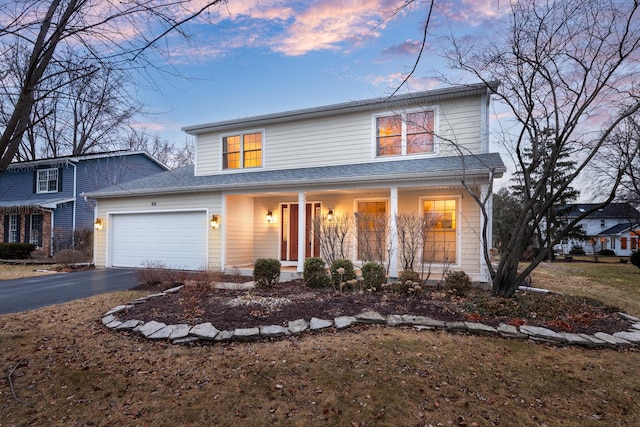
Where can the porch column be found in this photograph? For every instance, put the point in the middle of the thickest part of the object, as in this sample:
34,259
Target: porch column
302,226
393,235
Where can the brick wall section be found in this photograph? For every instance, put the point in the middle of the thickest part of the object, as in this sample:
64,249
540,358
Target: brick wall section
46,228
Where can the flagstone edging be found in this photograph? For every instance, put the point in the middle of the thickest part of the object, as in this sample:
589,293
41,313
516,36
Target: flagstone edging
206,332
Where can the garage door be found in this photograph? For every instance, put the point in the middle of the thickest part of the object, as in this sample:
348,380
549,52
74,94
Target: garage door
177,239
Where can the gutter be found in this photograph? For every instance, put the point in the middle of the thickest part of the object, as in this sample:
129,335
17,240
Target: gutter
370,179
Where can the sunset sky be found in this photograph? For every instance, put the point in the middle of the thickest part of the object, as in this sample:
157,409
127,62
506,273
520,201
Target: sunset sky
255,57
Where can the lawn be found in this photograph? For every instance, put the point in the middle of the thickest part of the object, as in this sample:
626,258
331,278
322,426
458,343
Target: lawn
60,366
10,271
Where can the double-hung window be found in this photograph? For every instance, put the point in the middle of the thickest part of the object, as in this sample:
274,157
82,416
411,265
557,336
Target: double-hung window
243,150
47,181
405,134
14,228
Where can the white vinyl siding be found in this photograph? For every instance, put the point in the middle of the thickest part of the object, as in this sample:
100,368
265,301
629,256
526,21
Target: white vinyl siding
240,213
345,139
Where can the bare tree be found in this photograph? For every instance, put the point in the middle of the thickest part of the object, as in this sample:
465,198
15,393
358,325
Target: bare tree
171,155
563,66
101,33
334,235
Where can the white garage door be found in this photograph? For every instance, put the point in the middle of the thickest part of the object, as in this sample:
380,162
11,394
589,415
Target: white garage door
176,239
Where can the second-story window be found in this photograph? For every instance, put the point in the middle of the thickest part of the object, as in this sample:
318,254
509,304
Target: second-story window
406,133
242,150
47,181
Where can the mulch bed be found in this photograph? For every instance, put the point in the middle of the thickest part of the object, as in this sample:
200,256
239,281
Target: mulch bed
231,309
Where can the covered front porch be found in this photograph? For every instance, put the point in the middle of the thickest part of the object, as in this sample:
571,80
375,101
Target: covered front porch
273,225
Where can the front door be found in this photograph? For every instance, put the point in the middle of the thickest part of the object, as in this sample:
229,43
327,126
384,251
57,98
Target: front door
289,231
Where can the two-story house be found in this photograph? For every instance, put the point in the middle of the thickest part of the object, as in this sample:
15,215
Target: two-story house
260,184
40,203
614,227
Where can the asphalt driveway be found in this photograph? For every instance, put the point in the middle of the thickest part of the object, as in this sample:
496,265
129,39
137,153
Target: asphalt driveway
35,292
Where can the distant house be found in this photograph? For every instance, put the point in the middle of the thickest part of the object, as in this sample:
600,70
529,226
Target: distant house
261,184
615,227
40,200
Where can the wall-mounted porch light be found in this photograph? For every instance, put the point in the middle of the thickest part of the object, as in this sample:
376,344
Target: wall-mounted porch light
330,215
269,216
98,224
214,221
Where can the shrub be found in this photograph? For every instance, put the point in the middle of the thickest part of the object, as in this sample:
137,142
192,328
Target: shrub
373,275
458,282
266,272
576,250
16,250
635,258
347,274
69,257
411,275
606,252
315,274
157,272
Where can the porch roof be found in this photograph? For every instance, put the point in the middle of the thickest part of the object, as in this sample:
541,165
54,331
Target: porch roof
384,172
616,229
33,203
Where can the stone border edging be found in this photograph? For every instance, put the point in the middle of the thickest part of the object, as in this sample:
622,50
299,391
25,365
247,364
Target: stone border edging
206,332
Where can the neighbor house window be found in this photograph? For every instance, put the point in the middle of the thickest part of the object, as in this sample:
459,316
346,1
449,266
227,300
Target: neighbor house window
243,150
14,228
35,230
634,243
441,224
47,181
371,221
406,133
623,243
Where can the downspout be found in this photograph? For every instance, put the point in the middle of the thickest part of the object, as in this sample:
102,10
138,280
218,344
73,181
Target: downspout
75,203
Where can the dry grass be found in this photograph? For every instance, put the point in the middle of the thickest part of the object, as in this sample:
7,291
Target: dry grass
614,284
67,369
9,271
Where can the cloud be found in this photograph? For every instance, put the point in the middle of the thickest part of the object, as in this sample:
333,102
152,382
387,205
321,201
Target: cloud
406,48
473,12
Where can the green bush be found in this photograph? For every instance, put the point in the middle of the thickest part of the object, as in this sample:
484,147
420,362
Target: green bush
266,272
458,282
16,250
411,275
347,275
373,275
315,274
635,258
606,252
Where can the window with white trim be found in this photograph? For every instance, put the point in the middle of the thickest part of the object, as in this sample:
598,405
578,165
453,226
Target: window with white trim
35,229
441,236
405,134
14,228
243,150
47,181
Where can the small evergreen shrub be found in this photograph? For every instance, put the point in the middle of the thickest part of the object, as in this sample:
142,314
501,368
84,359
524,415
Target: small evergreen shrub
410,275
635,258
16,250
315,274
458,283
606,252
373,275
266,272
347,274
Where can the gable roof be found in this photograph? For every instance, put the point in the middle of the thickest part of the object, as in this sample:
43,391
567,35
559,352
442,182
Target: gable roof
183,180
64,160
610,211
397,101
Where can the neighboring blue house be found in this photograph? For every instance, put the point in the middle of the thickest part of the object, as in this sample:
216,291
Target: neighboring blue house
40,202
